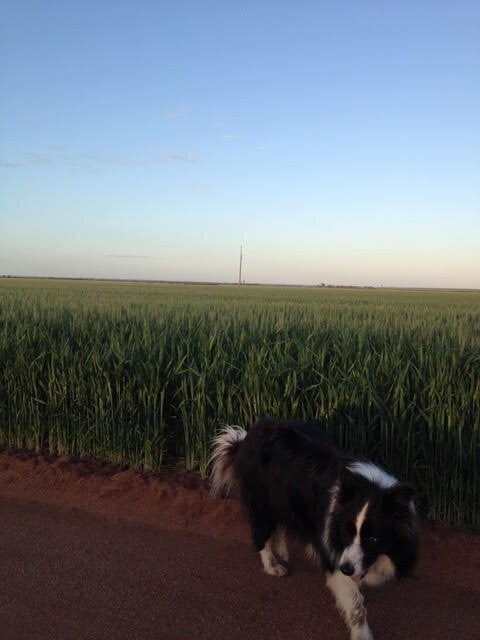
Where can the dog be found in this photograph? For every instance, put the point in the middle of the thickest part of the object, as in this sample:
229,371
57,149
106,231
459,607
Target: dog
357,520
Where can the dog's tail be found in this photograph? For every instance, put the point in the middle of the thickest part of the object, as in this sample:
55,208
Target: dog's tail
225,447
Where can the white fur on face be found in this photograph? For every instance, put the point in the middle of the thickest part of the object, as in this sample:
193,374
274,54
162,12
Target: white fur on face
354,552
381,570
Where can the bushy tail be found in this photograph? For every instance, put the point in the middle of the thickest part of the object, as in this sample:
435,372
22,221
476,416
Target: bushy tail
225,447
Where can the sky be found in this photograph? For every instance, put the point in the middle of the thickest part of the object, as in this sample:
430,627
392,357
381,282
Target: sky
336,142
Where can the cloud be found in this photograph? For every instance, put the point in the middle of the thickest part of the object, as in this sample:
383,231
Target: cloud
10,165
38,158
57,155
179,112
162,158
129,256
167,157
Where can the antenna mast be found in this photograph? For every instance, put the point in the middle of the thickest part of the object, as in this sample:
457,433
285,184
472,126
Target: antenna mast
240,270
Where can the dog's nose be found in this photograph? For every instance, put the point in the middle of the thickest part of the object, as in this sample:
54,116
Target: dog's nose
347,568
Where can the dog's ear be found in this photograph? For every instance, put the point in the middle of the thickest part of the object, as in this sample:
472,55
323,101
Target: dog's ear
398,501
399,495
348,485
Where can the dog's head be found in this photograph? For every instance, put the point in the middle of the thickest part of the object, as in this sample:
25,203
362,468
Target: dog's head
372,528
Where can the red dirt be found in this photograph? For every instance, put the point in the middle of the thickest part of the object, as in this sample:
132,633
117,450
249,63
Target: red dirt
91,552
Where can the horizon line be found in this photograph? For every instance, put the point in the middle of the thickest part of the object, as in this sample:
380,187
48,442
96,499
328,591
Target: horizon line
240,284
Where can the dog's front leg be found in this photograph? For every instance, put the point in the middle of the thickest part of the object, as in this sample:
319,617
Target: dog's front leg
350,602
269,560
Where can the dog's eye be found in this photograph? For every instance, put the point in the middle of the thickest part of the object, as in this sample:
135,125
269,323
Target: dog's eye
372,539
350,528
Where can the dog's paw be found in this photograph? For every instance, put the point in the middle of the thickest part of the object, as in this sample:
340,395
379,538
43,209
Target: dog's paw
361,633
276,569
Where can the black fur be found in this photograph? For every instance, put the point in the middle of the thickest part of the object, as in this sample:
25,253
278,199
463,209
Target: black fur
359,520
286,471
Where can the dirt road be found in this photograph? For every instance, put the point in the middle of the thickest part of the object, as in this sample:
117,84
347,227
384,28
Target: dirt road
88,552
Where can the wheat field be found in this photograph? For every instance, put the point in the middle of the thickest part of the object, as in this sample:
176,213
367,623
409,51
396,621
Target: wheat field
144,373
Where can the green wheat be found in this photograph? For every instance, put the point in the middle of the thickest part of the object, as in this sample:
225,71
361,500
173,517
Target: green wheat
144,373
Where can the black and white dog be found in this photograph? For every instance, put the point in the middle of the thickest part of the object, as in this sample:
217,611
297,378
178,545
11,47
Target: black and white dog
355,518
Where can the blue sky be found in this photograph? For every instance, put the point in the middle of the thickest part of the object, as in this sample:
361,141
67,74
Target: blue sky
338,142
